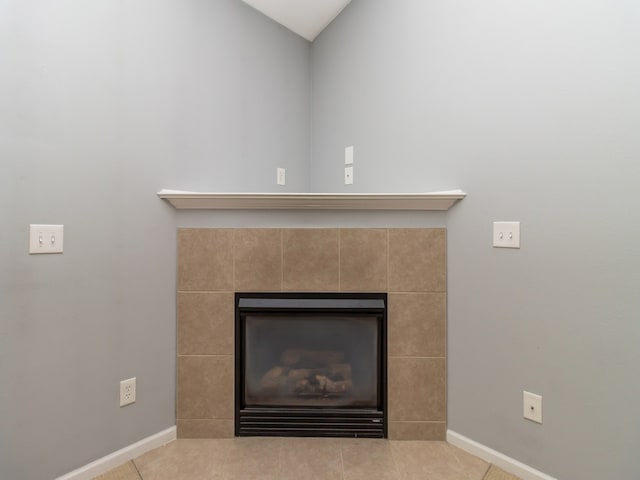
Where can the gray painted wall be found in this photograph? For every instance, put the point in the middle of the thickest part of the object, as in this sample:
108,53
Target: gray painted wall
103,103
532,107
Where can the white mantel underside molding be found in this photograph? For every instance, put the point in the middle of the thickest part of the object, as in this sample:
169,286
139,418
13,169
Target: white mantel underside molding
311,201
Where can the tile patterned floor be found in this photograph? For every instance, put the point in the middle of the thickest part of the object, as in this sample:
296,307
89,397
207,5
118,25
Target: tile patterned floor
306,458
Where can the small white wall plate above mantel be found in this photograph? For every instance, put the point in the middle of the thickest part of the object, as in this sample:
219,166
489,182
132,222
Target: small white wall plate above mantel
311,201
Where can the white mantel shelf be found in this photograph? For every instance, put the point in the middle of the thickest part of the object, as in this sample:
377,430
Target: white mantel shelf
311,201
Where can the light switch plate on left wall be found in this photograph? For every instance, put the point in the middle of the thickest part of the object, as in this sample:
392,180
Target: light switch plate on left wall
46,238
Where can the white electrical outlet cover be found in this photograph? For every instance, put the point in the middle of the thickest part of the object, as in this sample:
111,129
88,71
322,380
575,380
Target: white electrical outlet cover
348,175
46,239
506,234
532,406
127,391
281,177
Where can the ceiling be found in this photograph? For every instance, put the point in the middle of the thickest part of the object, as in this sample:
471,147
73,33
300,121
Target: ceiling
307,18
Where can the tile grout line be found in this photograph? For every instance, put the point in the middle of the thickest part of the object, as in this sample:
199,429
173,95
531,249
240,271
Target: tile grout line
137,469
388,250
234,239
191,292
205,355
486,474
395,463
339,259
417,356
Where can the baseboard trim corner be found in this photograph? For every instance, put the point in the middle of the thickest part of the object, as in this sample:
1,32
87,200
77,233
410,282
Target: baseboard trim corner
506,463
121,456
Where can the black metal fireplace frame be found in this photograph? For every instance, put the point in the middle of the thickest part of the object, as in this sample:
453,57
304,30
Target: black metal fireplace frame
314,421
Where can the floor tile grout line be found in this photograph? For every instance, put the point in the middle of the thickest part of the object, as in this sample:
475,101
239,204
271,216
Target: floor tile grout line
486,472
342,463
137,469
395,463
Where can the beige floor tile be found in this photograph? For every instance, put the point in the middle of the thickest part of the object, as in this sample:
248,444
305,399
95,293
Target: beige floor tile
123,472
185,460
253,457
369,460
434,461
310,459
473,466
496,473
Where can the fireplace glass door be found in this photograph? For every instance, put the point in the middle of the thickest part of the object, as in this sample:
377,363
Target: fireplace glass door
311,360
306,359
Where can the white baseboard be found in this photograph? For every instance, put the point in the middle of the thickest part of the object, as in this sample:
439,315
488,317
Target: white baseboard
123,455
508,464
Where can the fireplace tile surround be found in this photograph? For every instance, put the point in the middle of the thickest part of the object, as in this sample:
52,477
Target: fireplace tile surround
409,264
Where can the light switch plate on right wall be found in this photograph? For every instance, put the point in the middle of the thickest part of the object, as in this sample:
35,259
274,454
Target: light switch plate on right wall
506,234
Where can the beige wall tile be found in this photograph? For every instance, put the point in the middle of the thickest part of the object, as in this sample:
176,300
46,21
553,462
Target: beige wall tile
363,260
417,260
310,259
417,324
205,428
258,259
205,387
205,259
417,431
417,389
205,323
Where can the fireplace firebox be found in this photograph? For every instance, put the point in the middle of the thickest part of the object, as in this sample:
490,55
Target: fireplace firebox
311,364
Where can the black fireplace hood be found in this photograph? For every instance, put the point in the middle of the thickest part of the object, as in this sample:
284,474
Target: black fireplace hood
305,302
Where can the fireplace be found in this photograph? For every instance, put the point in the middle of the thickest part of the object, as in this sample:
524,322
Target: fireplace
408,264
311,364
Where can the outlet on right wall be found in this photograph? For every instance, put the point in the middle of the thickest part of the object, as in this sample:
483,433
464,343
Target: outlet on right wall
532,108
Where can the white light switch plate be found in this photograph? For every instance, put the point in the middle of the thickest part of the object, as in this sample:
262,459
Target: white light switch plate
348,155
46,238
506,234
532,406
